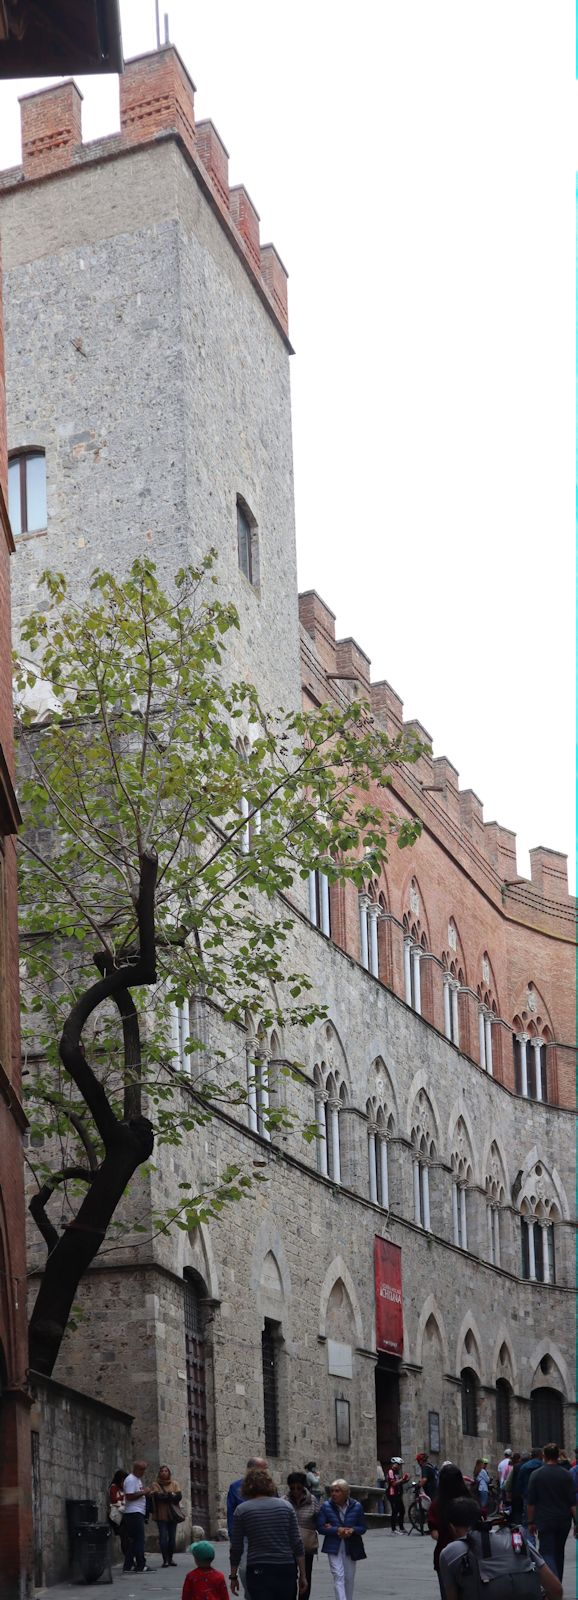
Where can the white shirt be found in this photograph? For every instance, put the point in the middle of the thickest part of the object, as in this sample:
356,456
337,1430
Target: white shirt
504,1469
130,1486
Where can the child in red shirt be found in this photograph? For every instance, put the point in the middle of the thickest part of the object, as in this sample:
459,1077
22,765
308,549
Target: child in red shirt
203,1583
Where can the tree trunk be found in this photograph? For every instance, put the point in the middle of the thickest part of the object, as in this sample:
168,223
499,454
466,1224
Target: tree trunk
81,1241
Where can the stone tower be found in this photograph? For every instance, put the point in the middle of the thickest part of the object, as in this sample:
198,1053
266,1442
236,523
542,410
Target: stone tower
157,383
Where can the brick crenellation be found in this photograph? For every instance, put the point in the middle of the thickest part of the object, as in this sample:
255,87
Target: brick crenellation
157,97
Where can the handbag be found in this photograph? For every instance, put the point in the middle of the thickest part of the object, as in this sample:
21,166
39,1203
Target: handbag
355,1547
176,1515
115,1516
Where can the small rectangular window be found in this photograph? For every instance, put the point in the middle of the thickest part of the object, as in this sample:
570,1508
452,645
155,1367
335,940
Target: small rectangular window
27,492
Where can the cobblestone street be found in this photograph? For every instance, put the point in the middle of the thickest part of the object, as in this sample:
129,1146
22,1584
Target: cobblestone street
396,1569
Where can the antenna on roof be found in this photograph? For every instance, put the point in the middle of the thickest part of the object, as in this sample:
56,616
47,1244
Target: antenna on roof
158,23
167,40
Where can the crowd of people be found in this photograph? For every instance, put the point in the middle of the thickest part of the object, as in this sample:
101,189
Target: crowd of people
274,1537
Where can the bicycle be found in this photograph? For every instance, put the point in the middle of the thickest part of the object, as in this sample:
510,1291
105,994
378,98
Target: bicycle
418,1509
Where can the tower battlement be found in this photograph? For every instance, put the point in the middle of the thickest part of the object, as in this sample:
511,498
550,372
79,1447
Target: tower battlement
157,99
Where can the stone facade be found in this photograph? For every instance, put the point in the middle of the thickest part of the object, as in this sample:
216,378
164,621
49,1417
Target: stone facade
159,390
77,1446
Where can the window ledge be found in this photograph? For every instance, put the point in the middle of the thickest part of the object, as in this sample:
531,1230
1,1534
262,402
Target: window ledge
22,538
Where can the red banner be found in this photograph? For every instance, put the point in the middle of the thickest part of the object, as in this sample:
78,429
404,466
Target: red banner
388,1297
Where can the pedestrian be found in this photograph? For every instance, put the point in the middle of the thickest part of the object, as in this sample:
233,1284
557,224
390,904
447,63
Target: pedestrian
275,1555
305,1507
202,1583
234,1498
450,1487
342,1521
552,1508
135,1505
313,1479
166,1497
463,1557
511,1497
504,1467
428,1477
531,1460
116,1508
394,1490
482,1483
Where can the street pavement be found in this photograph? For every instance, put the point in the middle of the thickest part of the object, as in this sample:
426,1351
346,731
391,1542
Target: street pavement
396,1569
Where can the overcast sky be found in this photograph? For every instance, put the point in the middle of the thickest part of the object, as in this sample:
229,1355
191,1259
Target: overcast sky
414,162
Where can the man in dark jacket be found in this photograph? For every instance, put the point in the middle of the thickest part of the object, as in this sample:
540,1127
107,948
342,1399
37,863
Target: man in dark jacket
552,1508
531,1460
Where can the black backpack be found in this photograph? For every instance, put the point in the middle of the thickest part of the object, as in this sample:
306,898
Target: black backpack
501,1564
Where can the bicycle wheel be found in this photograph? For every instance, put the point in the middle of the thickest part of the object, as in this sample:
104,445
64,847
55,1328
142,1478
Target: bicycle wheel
415,1515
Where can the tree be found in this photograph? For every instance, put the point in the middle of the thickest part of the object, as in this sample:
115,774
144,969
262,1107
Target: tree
167,817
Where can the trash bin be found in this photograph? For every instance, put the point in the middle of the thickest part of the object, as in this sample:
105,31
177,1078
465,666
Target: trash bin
78,1511
92,1551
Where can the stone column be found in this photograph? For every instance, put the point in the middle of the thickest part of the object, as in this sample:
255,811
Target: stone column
373,915
531,1248
407,947
384,1173
312,887
321,1135
523,1043
335,1148
416,957
488,1033
455,1014
545,1252
363,945
455,1212
175,1033
497,1250
463,1218
263,1086
251,1094
536,1045
490,1234
372,1165
324,895
416,1192
447,1006
246,831
482,1027
425,1185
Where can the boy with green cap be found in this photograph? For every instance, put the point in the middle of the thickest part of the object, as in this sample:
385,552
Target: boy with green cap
203,1583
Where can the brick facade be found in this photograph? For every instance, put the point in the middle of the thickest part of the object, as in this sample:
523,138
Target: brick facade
15,1516
160,393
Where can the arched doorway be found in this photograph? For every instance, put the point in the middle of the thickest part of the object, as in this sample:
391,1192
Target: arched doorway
195,1320
547,1417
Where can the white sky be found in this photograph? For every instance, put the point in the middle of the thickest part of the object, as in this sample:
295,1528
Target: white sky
414,163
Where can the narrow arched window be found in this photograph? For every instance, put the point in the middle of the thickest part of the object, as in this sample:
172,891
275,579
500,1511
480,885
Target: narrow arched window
27,492
247,542
469,1385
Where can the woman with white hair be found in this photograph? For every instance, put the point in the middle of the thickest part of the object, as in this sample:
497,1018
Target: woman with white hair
342,1521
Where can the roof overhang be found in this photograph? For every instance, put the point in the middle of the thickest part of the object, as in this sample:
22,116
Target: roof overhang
54,38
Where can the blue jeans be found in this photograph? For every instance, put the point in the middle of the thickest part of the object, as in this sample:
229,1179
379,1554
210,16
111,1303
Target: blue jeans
134,1524
167,1539
552,1547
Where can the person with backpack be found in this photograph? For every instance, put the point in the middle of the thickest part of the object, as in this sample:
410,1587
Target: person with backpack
552,1507
494,1560
450,1487
428,1476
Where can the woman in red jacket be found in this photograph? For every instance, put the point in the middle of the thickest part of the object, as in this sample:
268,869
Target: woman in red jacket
451,1486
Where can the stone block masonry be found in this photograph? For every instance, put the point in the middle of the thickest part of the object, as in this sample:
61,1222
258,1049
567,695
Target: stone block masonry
78,1445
